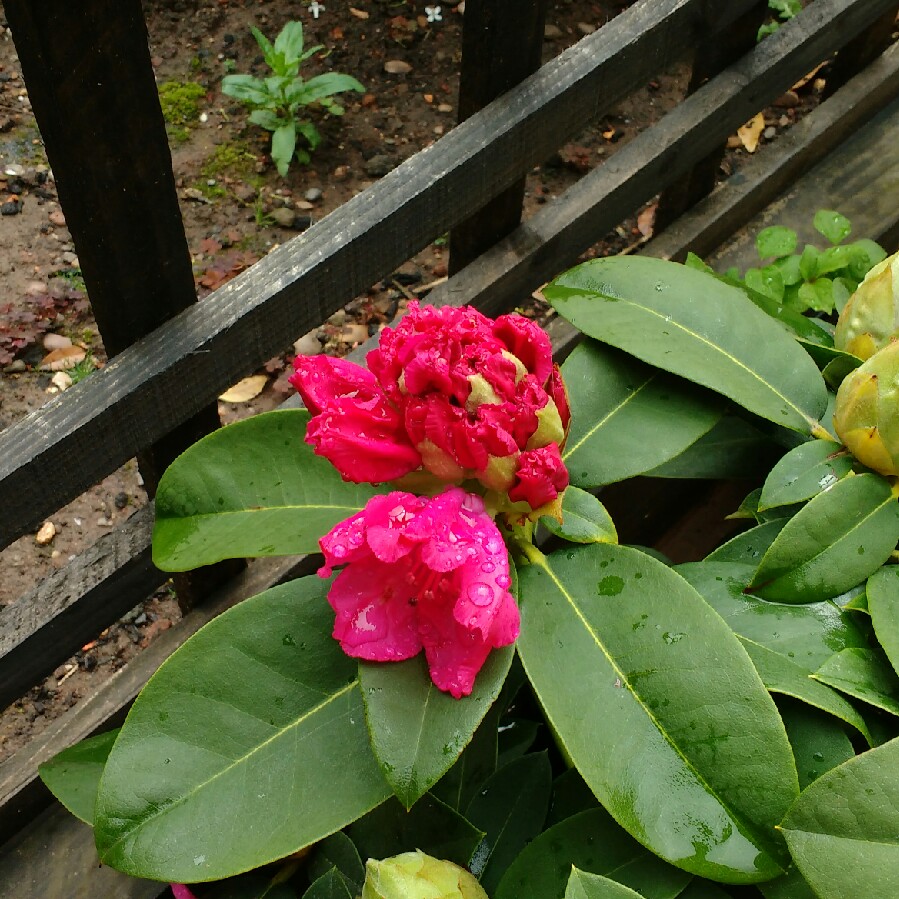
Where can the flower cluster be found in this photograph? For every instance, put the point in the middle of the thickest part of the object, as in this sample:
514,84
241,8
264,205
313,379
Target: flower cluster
450,397
451,393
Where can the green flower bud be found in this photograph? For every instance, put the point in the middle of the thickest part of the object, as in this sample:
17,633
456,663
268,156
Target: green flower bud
866,417
414,875
871,317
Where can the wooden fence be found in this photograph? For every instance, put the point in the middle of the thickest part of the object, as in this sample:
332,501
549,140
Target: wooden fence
88,72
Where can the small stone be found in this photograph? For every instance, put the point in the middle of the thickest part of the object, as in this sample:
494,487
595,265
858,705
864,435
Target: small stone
121,500
313,194
338,318
141,619
439,270
56,341
789,100
246,193
14,170
551,32
444,107
308,345
769,133
341,173
70,259
585,28
15,366
283,217
104,522
784,121
380,165
304,204
354,333
57,218
397,67
11,207
45,534
438,130
62,380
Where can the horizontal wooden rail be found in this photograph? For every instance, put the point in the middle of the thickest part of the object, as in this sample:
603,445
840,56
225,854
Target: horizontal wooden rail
116,575
59,450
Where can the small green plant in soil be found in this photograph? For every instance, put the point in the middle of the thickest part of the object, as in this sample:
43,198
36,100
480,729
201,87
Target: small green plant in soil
180,101
230,159
80,371
819,280
276,101
783,10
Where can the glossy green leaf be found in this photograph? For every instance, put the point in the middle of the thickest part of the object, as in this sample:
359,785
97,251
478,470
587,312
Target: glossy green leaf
791,886
516,737
584,519
254,488
819,742
732,449
749,546
584,885
511,809
804,472
337,851
590,841
775,241
863,674
837,369
841,537
570,796
690,323
331,885
257,718
429,825
73,775
882,591
615,402
703,889
253,885
417,731
786,643
651,696
834,226
843,831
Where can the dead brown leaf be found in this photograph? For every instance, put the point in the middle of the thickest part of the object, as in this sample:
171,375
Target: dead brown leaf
245,390
64,358
358,13
646,220
751,132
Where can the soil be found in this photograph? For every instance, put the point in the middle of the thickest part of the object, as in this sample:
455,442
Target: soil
236,208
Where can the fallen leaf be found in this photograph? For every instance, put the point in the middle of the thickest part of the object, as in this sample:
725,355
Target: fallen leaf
337,33
45,534
209,246
358,13
646,220
750,133
245,390
63,358
397,67
802,82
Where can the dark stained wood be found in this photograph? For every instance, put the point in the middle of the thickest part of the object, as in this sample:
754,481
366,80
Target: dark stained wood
862,51
554,237
501,45
710,58
58,451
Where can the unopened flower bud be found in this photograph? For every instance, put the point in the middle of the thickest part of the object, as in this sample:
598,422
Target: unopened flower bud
414,875
871,317
866,417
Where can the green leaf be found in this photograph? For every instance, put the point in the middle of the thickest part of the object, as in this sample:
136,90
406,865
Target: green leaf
863,674
882,592
590,841
703,889
732,449
615,402
843,831
819,742
808,263
338,851
257,718
693,325
775,241
584,519
786,643
515,738
289,41
833,543
649,693
818,294
265,44
767,281
865,255
429,825
322,86
791,886
284,142
331,885
805,472
310,132
253,885
417,731
247,89
832,225
570,796
583,885
254,488
511,809
267,119
749,546
833,259
73,775
838,368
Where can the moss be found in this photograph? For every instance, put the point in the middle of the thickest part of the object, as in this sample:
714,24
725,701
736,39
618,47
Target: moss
211,191
230,158
180,101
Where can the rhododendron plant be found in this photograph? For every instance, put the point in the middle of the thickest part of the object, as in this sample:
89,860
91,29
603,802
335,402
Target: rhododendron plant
452,393
482,693
422,573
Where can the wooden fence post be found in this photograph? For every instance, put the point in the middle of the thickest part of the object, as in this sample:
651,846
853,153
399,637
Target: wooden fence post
91,85
862,51
712,56
502,42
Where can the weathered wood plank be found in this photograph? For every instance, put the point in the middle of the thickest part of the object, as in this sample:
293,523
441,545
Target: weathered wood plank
553,238
862,50
502,42
70,607
61,449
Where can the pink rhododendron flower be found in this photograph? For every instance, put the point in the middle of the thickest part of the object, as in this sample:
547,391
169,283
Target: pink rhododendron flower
422,573
450,392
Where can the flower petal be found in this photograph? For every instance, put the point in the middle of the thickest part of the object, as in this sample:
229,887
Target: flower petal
322,380
386,520
542,476
527,341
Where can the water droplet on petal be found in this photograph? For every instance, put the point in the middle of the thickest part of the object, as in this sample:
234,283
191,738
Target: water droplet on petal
480,594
